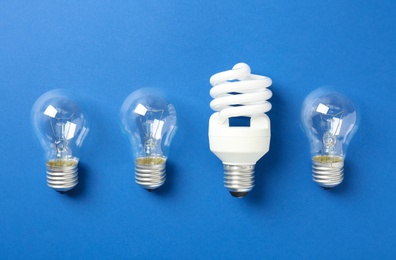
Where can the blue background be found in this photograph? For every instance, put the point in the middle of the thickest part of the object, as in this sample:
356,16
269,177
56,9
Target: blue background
104,50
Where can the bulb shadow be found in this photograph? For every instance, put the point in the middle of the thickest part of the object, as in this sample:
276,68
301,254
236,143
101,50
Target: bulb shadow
80,189
345,186
266,167
166,188
263,171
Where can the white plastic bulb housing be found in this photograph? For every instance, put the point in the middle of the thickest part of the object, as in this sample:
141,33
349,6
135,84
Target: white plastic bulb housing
150,123
238,93
61,126
329,120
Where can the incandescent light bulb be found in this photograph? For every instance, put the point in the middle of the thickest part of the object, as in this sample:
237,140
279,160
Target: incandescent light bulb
61,127
329,119
150,123
238,93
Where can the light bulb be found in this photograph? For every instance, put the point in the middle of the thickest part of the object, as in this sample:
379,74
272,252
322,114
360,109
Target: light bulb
150,123
238,93
61,127
329,119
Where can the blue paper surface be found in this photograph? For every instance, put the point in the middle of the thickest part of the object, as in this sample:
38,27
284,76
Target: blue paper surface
104,50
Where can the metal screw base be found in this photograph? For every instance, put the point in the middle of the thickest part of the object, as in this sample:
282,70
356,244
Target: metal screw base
62,175
328,171
239,179
150,172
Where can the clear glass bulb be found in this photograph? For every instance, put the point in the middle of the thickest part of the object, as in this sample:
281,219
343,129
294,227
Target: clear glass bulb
329,120
150,123
61,127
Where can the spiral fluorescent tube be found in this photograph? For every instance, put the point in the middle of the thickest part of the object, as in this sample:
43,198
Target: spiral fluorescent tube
238,93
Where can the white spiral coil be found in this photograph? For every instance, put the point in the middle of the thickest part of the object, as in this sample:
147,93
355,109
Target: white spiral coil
237,93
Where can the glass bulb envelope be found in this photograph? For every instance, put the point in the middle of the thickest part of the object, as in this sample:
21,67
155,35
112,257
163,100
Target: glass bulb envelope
150,123
329,120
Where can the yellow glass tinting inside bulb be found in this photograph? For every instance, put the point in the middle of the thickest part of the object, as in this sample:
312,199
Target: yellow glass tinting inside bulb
327,159
150,160
61,163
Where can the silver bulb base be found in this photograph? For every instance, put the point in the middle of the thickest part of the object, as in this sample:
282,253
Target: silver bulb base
328,171
239,179
150,172
62,174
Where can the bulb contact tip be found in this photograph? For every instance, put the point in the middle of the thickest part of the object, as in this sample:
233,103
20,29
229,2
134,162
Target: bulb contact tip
238,194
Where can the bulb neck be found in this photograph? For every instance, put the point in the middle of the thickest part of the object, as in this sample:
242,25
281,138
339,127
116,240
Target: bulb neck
62,174
150,172
239,179
328,171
